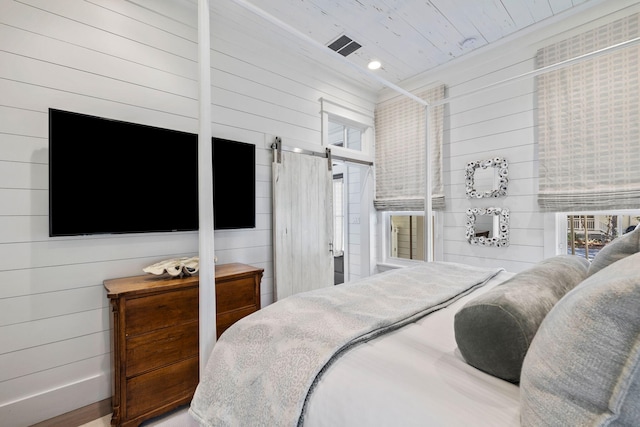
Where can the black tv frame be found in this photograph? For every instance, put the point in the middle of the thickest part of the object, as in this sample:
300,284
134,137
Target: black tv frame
88,197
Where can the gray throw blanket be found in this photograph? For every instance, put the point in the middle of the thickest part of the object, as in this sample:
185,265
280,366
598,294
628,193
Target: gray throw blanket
263,369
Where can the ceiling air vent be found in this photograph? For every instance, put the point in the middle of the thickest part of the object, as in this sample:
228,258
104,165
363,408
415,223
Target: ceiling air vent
344,46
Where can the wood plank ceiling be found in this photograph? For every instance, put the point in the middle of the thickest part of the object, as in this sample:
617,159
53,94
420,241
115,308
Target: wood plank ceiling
408,37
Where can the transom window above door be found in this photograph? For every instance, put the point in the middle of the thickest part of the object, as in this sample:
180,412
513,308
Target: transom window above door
341,135
346,132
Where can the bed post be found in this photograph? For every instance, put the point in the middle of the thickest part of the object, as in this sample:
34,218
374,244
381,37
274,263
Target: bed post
428,203
207,298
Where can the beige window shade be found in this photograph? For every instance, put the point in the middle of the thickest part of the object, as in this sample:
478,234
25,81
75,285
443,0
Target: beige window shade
400,152
588,116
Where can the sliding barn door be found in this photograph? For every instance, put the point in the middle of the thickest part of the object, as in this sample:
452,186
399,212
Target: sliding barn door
302,223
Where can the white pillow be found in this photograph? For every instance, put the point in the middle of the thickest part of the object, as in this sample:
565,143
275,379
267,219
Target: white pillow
623,246
583,365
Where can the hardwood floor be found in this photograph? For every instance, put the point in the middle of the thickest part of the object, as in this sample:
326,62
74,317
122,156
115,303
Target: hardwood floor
99,415
178,418
100,422
79,416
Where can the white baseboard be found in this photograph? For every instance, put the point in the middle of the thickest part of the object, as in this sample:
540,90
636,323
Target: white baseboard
48,404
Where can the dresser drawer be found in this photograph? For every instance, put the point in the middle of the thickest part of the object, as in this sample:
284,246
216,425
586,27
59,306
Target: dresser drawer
224,320
162,387
161,347
236,294
148,313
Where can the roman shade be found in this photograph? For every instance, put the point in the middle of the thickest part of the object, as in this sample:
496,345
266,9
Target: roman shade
400,152
589,138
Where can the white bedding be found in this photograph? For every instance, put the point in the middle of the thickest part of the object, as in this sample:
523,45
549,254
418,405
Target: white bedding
264,369
413,376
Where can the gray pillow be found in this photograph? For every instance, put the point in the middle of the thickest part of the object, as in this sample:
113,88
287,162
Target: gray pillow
619,248
494,331
583,366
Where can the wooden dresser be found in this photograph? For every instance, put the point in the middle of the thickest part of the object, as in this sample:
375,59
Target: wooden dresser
155,336
237,293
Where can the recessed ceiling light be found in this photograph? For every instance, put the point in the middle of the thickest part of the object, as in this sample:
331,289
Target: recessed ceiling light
374,65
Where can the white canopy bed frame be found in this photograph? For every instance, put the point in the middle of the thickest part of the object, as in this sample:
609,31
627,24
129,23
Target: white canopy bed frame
206,248
206,240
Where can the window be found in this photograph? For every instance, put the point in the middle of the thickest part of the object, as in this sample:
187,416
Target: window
347,132
403,237
588,126
588,232
346,136
406,237
402,126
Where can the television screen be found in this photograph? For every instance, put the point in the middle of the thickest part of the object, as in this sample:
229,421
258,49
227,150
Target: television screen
109,176
234,182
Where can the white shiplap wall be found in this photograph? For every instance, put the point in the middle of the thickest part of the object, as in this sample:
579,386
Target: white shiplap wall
500,122
497,123
133,61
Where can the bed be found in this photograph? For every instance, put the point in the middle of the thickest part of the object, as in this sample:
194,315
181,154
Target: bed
413,376
445,361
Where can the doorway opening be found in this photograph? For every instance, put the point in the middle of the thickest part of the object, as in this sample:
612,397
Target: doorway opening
350,231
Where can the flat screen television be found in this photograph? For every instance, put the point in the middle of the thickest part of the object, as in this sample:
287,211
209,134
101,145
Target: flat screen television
234,184
111,177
